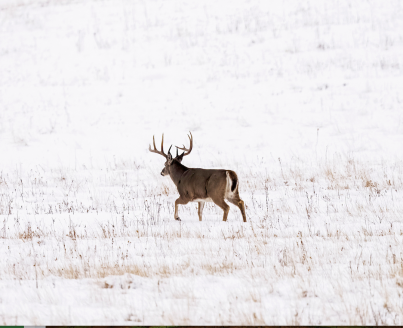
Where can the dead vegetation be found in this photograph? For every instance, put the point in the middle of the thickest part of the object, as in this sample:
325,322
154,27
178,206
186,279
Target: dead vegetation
307,224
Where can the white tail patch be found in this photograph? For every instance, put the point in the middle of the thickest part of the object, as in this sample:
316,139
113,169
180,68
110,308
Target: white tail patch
228,191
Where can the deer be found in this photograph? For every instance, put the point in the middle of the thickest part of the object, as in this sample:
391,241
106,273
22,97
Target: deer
200,185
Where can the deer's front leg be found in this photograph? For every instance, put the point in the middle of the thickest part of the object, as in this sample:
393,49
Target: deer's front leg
179,201
201,206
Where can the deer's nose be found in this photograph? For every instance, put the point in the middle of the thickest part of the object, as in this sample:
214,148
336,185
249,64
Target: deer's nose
162,174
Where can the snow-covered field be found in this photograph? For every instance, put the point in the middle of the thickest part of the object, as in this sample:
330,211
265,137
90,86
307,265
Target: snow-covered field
302,99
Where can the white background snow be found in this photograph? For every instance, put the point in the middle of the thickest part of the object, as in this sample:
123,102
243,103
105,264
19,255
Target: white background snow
303,99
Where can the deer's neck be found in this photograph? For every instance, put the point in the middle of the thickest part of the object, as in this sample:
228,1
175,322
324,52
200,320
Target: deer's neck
176,171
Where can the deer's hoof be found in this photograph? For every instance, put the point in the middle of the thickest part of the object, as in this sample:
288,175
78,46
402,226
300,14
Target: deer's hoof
178,219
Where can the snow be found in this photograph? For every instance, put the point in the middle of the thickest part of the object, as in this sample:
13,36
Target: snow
302,99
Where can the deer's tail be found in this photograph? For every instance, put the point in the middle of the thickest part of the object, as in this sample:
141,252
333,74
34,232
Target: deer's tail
233,179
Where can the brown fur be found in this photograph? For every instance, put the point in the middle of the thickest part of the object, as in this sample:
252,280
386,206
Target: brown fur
202,184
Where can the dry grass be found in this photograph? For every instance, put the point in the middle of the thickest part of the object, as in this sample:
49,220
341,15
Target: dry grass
305,230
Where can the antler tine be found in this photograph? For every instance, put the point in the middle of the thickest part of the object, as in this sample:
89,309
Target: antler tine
155,148
149,146
154,143
191,141
190,147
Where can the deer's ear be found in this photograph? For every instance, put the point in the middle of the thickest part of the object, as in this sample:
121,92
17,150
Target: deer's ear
180,157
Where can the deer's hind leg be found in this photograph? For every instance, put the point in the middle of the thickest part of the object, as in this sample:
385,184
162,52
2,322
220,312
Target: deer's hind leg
215,189
221,203
236,200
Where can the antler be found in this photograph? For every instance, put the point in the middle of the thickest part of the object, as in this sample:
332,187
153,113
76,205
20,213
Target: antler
190,147
162,148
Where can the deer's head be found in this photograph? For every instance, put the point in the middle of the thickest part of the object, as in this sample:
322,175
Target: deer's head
170,161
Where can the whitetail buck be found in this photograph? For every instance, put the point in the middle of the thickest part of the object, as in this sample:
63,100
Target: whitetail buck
200,185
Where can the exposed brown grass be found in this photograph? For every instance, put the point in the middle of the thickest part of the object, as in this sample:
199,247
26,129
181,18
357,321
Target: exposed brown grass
304,224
